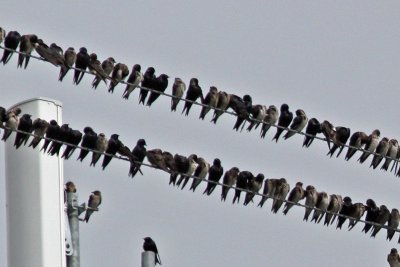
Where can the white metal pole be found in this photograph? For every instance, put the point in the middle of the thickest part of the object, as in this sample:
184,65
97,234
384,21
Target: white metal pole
148,259
35,197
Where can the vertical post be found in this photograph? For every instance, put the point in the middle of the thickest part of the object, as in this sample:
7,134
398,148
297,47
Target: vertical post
73,213
35,197
148,259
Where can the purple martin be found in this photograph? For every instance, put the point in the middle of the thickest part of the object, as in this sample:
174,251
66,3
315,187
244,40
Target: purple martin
281,191
194,91
73,137
223,103
339,139
214,174
81,63
393,223
346,210
391,154
70,187
96,69
25,125
114,145
254,185
107,66
100,147
313,127
2,34
160,84
229,181
69,61
284,121
58,50
139,152
383,218
270,118
11,42
169,161
328,130
335,204
311,200
381,151
179,164
357,211
201,172
258,113
393,258
396,163
295,196
269,190
211,100
93,204
242,108
372,213
357,140
50,54
190,167
178,88
298,124
241,183
150,245
156,159
370,146
26,46
62,136
89,141
133,81
3,116
321,205
52,132
11,123
39,130
148,81
119,73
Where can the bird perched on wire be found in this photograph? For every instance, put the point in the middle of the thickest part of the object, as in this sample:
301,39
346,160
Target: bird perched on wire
271,117
339,139
228,181
39,129
119,73
193,93
211,100
370,146
313,127
11,42
139,152
160,84
295,196
135,78
25,125
178,88
298,124
26,46
81,63
214,175
148,81
89,140
222,105
107,65
357,140
12,122
284,121
69,61
150,245
93,204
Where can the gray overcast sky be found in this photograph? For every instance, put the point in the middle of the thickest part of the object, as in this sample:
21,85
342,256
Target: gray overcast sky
338,61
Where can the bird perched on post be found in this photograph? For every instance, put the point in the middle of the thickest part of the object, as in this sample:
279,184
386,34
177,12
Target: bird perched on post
150,245
93,204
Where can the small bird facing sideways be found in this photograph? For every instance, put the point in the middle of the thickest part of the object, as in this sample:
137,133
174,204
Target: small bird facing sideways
150,245
393,258
93,204
178,88
298,124
284,121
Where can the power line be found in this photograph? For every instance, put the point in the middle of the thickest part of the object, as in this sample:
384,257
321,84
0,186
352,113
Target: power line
208,181
217,109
